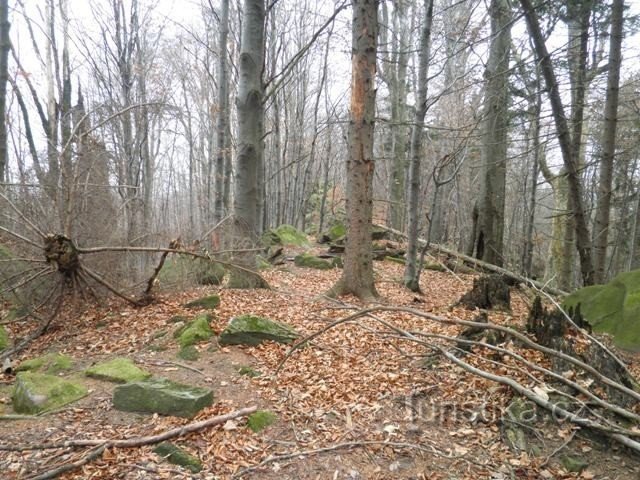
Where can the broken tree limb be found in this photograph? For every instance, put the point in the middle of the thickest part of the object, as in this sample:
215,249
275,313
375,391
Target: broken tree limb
136,441
479,263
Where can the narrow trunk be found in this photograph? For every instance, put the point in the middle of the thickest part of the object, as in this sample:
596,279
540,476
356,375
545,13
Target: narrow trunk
223,113
5,46
603,208
412,272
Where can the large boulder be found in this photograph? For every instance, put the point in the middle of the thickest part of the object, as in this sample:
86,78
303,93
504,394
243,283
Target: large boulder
4,338
311,261
118,370
196,331
51,363
613,308
37,392
336,231
159,395
253,330
209,272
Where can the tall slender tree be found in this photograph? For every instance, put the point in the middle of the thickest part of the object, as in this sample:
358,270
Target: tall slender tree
603,208
222,126
357,275
5,47
412,272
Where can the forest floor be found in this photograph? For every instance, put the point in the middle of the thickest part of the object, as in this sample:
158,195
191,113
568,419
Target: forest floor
388,413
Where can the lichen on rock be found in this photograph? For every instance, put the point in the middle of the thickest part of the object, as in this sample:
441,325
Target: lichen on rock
253,330
118,370
38,392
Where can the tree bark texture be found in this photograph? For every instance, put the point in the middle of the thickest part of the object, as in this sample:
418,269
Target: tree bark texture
488,242
357,276
603,208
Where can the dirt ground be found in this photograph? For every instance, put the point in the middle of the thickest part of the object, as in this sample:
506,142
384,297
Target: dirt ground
354,404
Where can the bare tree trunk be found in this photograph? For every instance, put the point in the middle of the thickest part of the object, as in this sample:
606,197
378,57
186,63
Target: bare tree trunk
249,160
223,112
412,272
490,228
569,155
603,208
357,275
5,47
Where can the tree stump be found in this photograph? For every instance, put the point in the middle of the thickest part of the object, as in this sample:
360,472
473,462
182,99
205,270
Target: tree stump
489,291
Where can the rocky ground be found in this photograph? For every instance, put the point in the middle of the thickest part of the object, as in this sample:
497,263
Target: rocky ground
354,403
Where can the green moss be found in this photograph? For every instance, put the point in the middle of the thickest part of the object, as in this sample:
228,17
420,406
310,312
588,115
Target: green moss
209,272
286,235
573,464
310,261
177,456
189,353
612,308
38,392
260,420
51,363
4,338
249,372
118,370
197,331
253,330
210,302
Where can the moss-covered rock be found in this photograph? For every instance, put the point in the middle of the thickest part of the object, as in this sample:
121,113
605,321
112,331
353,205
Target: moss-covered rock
336,231
209,302
51,363
196,331
311,261
4,338
210,273
118,370
188,353
260,420
253,330
159,395
613,308
248,372
37,392
178,456
573,463
285,235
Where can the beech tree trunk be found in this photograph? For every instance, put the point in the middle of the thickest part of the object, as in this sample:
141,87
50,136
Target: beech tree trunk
249,160
357,276
412,272
488,242
603,207
222,125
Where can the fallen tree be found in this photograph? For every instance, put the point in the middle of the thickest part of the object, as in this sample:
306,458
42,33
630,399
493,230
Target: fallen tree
480,264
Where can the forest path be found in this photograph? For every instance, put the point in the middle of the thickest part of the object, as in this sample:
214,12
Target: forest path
351,386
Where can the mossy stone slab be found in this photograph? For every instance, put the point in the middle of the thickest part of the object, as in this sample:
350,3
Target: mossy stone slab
176,455
118,370
188,353
253,330
311,261
196,331
4,338
51,363
613,308
159,395
37,392
209,302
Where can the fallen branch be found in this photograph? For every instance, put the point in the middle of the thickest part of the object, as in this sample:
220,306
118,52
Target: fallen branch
67,467
479,263
347,445
133,442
